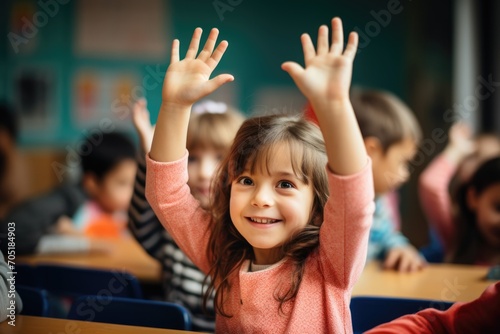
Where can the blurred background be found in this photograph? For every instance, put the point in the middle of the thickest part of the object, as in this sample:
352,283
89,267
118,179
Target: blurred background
69,67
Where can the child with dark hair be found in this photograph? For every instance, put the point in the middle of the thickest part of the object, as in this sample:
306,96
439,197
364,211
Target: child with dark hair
8,136
460,192
10,189
58,221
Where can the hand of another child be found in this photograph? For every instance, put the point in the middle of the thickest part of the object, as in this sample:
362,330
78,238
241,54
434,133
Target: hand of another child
64,225
142,124
188,80
404,259
328,68
460,142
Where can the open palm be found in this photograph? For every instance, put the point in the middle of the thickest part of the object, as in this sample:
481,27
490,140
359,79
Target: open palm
188,80
328,68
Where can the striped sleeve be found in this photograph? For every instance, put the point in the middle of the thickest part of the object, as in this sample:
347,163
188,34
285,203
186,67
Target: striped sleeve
142,221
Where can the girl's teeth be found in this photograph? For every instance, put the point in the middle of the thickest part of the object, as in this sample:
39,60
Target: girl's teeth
262,221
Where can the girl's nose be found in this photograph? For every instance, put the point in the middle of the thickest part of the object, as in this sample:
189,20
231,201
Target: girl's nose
262,197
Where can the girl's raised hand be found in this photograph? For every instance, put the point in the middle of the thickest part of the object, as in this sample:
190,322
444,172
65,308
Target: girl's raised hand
188,80
328,68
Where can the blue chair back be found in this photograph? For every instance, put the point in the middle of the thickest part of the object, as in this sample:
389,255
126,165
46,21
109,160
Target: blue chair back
26,275
368,312
132,312
75,281
35,301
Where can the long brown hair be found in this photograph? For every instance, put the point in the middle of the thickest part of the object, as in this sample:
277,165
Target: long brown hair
254,143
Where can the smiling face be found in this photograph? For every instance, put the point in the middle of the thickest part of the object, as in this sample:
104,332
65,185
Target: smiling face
270,202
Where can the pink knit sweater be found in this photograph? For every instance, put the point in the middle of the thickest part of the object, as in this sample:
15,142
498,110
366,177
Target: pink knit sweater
322,302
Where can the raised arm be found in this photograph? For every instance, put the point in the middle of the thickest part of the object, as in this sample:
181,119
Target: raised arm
186,81
435,179
325,82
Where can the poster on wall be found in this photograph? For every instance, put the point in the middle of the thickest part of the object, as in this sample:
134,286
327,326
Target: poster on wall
104,96
23,31
121,29
34,90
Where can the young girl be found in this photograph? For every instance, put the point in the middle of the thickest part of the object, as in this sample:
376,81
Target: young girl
282,256
459,198
211,131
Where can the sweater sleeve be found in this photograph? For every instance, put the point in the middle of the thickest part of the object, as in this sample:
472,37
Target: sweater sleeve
478,316
142,221
178,211
435,200
347,219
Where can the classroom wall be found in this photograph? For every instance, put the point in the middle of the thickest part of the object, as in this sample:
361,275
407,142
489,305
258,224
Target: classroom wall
405,47
262,35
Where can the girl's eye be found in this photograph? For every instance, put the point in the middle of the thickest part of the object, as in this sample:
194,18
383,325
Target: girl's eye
285,184
245,181
497,207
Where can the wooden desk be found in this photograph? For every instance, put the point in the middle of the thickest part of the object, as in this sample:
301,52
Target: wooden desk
37,325
444,282
125,255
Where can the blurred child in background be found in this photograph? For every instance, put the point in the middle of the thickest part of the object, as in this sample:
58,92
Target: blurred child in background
211,130
460,192
12,178
391,135
45,223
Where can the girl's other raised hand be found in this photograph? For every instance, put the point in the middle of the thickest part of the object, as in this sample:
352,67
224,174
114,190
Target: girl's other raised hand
188,80
328,68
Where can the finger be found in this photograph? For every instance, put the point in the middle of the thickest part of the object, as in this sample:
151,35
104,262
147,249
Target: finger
405,263
195,43
415,265
308,48
337,36
174,53
293,69
209,45
217,55
352,45
322,40
213,84
391,260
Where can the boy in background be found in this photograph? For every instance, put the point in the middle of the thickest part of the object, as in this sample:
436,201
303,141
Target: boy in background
391,134
45,223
